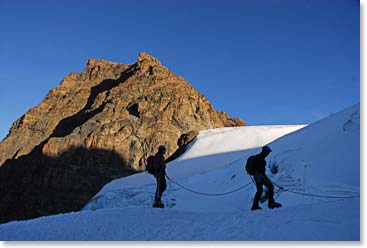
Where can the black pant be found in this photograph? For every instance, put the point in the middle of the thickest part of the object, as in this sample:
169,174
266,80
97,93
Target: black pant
161,187
260,180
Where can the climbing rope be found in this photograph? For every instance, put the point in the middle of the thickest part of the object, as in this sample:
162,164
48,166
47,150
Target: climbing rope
322,196
208,194
242,187
314,195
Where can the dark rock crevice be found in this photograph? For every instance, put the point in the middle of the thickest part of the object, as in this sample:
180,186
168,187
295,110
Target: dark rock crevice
67,125
133,109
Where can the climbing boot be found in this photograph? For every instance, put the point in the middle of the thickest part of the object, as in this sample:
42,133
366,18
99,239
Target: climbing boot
274,205
158,204
255,208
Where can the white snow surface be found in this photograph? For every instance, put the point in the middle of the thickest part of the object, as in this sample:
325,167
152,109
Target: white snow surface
316,162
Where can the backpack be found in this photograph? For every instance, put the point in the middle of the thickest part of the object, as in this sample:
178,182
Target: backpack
251,166
149,167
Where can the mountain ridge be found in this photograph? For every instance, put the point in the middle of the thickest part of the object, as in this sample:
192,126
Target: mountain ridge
112,112
95,71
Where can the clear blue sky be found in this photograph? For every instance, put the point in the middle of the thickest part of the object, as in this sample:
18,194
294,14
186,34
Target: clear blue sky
267,62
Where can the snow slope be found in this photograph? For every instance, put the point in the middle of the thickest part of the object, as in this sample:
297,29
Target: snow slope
321,159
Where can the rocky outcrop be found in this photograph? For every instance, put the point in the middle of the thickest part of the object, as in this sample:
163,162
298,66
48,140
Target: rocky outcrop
182,144
127,110
130,109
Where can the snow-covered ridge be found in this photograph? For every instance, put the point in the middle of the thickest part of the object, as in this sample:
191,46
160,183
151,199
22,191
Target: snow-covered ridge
321,159
211,149
327,152
223,140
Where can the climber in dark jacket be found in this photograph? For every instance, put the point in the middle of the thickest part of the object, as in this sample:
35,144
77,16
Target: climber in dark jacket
160,173
261,179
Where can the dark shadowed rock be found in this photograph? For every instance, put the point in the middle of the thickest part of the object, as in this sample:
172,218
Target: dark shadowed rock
35,185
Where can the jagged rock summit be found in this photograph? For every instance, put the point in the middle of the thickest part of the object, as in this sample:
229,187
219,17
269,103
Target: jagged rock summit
130,109
95,126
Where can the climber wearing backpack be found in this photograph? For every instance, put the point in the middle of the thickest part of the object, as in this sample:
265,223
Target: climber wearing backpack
156,165
255,166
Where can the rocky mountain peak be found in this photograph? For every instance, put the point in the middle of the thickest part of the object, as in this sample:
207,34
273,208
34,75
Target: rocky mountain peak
97,125
98,62
147,58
